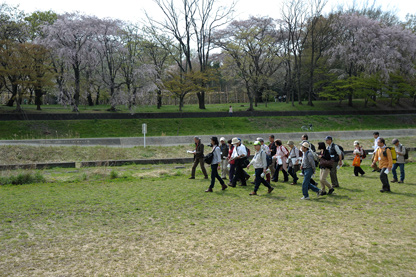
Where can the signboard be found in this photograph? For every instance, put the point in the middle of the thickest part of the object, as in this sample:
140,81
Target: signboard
144,131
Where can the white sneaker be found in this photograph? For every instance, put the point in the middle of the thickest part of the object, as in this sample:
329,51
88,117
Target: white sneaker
305,198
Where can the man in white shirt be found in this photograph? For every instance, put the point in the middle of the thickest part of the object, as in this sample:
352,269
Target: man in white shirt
239,155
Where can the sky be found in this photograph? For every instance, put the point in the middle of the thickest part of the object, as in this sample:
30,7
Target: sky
132,10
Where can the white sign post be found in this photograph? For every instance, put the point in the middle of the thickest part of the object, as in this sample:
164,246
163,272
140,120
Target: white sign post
144,131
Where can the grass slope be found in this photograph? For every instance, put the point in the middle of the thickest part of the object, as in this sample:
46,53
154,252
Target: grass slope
200,126
156,222
358,104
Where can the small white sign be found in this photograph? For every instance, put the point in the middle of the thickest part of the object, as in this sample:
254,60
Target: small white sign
144,128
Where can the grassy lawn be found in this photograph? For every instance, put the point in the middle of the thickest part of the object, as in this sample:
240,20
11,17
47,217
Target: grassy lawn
22,154
201,126
358,104
156,222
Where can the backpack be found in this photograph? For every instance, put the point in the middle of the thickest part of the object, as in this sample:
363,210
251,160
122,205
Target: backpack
313,148
248,151
393,154
364,154
269,159
406,155
315,158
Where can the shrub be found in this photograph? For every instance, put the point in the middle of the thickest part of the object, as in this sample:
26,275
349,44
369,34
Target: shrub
23,178
113,174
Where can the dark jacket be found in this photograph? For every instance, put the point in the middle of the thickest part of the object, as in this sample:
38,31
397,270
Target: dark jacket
224,151
199,150
273,148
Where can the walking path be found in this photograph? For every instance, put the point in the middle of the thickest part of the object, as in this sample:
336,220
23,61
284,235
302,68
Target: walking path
186,140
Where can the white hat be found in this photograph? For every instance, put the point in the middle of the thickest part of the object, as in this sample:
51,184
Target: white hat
260,139
222,139
305,144
235,141
356,142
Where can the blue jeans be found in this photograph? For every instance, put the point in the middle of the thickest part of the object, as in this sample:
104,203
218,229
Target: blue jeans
214,174
395,166
306,185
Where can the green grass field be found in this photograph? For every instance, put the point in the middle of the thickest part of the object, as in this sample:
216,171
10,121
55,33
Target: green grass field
131,221
200,126
358,104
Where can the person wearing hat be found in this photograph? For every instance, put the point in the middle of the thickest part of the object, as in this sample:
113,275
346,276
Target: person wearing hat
400,152
385,160
216,151
260,166
224,155
239,155
293,161
358,151
336,156
308,168
198,158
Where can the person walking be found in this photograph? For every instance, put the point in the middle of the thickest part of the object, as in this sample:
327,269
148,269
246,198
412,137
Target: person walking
400,152
198,158
230,111
385,160
281,161
358,152
336,156
325,165
376,136
266,150
224,160
231,162
308,168
259,163
216,151
305,138
239,155
272,147
293,161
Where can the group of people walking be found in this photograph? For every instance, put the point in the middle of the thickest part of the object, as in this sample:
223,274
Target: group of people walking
232,157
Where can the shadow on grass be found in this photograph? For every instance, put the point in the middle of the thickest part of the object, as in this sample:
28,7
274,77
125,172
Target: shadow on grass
404,194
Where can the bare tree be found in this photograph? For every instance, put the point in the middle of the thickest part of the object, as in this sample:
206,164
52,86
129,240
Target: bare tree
192,23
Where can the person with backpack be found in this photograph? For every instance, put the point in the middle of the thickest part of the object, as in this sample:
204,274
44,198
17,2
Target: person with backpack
294,165
239,156
305,138
224,155
325,165
269,159
260,166
360,155
401,153
308,168
216,160
385,160
198,158
281,161
337,157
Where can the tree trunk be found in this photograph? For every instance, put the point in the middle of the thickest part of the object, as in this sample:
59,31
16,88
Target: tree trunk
159,99
181,98
12,99
350,99
97,98
38,98
201,99
77,88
